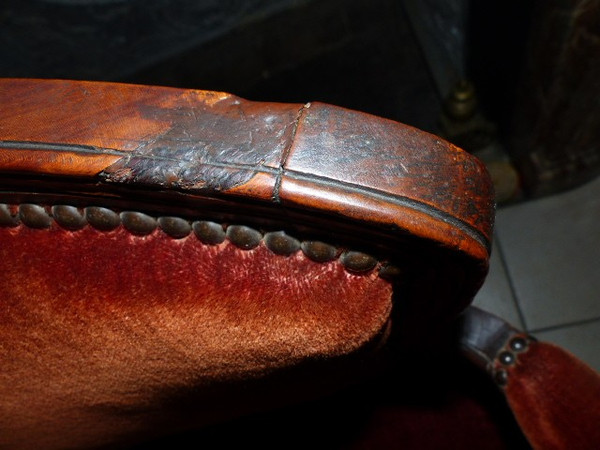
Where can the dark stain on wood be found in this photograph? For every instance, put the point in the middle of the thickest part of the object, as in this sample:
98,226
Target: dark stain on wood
321,160
209,147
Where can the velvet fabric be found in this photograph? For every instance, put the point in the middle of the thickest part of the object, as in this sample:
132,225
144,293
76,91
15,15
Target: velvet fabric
556,398
109,337
427,398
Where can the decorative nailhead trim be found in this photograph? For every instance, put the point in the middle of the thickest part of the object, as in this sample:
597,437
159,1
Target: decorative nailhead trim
7,218
501,377
357,261
243,237
390,272
102,219
210,233
138,223
68,217
281,244
518,344
176,227
34,216
508,356
319,251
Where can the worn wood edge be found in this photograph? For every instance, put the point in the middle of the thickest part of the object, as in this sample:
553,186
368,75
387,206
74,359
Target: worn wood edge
398,215
266,183
49,159
395,159
379,209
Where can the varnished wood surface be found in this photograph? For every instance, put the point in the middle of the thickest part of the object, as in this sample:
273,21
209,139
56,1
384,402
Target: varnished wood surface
318,158
120,322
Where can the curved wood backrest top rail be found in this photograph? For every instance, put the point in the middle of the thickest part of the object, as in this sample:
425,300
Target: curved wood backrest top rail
315,157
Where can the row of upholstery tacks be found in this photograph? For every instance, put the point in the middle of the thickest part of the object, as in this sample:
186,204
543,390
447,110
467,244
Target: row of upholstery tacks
211,233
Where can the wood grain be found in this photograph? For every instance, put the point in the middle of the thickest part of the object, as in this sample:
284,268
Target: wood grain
317,158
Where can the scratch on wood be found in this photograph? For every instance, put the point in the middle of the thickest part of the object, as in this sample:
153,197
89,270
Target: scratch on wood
286,152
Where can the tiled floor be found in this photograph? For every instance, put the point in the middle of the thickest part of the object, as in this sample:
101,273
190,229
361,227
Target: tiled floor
545,270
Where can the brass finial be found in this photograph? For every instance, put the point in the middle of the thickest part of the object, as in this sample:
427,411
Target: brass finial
461,104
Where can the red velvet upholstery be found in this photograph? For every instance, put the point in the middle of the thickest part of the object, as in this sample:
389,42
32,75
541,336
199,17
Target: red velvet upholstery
116,337
556,398
131,318
430,399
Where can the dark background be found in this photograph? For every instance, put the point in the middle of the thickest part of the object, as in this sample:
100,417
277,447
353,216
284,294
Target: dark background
360,54
533,63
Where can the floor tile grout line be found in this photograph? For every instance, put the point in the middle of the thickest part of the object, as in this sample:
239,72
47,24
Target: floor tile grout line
511,285
565,325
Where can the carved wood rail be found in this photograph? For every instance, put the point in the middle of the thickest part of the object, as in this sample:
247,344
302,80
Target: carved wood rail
159,245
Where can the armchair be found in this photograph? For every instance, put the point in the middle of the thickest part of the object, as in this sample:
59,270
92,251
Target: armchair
175,260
